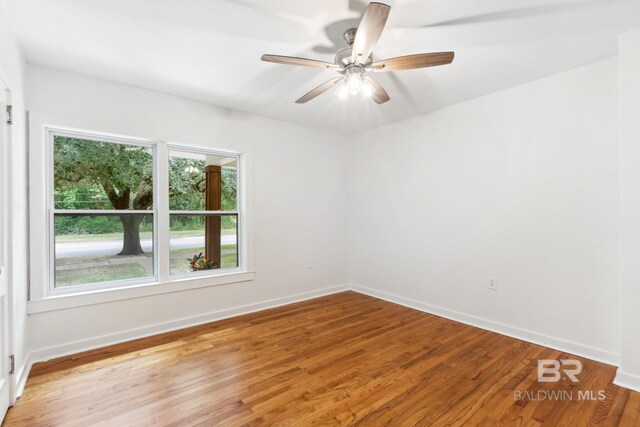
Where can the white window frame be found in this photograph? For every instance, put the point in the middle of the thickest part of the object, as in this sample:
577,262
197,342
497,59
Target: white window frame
239,212
43,295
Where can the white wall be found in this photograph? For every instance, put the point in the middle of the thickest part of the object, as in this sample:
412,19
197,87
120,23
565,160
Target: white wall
11,70
522,185
629,107
299,201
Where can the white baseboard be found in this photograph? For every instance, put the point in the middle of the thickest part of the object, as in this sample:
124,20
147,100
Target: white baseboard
44,354
632,382
582,350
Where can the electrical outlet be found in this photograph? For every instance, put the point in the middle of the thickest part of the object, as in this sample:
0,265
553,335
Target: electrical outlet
309,264
493,283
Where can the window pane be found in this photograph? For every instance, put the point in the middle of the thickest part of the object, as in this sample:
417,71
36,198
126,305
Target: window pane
101,175
91,249
194,176
214,237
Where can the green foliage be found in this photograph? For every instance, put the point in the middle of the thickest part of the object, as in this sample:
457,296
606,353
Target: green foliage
75,225
229,189
187,222
81,198
187,185
100,171
187,192
100,175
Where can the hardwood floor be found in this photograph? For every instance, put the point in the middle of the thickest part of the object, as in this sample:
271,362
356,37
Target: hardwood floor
344,359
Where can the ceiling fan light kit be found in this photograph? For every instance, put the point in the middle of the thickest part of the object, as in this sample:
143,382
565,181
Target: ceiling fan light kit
356,61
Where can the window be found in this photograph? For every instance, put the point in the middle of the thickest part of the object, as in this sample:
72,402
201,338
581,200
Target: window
110,197
203,209
103,211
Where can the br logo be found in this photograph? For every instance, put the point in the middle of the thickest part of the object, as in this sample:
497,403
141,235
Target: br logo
549,370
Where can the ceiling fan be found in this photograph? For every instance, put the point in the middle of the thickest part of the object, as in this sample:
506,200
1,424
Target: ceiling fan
355,62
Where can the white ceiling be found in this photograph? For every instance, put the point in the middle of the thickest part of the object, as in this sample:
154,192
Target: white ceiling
209,50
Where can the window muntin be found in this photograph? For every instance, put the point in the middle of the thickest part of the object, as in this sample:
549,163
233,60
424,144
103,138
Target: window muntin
89,213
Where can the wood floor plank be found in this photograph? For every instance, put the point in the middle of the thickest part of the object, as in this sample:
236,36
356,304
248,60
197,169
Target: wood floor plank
342,359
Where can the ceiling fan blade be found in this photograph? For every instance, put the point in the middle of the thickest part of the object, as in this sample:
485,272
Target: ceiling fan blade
409,62
318,90
380,96
293,60
369,31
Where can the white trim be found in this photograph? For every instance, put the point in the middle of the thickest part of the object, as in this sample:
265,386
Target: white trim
622,379
162,225
185,148
6,230
100,286
100,296
97,136
577,349
23,374
44,354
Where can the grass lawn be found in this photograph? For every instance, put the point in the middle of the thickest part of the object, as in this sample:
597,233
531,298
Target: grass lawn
133,270
105,273
179,257
89,259
71,238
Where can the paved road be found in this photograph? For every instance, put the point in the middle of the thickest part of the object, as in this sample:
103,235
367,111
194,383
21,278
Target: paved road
112,247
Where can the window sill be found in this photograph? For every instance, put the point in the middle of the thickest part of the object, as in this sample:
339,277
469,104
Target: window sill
62,302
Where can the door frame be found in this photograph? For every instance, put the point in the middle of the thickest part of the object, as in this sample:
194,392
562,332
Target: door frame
6,195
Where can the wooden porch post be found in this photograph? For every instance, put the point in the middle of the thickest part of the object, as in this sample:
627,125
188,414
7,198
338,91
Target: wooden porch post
213,202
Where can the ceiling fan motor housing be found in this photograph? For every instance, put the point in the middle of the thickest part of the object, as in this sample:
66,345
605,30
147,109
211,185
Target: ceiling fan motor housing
350,35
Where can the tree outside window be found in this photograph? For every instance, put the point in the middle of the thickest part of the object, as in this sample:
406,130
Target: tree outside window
104,210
